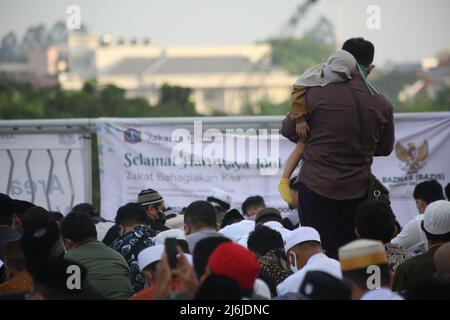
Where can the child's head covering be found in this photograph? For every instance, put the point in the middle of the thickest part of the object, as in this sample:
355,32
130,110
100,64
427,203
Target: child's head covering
340,61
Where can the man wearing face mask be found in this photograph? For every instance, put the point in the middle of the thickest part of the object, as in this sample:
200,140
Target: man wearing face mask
304,250
153,204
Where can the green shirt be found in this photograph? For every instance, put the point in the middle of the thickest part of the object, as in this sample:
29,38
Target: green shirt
107,271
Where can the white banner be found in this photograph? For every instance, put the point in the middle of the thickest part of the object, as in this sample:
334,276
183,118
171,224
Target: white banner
421,152
46,169
133,158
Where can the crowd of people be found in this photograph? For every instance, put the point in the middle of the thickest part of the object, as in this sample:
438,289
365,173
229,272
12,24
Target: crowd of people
342,242
254,252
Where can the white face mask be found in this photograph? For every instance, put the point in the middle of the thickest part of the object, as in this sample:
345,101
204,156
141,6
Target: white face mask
293,262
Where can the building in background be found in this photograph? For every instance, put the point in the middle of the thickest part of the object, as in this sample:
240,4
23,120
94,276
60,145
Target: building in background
40,68
223,79
435,75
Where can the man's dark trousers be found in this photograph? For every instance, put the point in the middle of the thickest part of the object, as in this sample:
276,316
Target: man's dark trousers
333,219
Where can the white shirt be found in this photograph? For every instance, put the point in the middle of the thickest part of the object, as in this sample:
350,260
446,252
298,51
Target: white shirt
261,289
237,231
102,228
381,294
318,262
412,237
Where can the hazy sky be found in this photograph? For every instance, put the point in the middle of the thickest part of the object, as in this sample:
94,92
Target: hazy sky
410,29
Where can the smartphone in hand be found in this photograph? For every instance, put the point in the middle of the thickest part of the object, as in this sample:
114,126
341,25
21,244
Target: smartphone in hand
171,251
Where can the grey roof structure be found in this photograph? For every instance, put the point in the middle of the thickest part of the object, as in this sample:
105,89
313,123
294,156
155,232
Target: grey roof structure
185,65
132,65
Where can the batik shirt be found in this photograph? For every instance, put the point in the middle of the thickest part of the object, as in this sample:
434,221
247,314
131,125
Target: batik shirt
129,245
396,255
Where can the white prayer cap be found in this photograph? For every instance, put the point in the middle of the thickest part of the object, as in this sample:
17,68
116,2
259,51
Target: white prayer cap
299,235
236,231
362,253
436,219
161,237
220,197
150,255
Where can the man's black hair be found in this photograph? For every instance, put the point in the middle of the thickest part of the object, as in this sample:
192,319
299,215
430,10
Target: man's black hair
361,49
445,237
253,203
268,218
78,227
6,209
232,216
20,206
263,239
203,249
200,214
35,217
57,216
375,220
41,242
428,191
447,191
287,224
87,208
131,214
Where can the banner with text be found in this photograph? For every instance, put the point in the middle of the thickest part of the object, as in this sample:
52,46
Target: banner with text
184,164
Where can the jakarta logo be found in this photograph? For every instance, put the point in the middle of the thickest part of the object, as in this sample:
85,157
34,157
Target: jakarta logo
132,135
412,156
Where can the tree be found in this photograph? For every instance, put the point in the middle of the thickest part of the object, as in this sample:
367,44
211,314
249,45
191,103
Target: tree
9,48
443,99
57,34
22,101
34,38
176,100
265,107
296,55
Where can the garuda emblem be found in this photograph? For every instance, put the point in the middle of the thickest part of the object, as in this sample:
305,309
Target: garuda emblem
412,156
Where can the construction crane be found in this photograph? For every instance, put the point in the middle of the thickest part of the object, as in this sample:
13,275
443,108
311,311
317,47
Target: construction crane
261,67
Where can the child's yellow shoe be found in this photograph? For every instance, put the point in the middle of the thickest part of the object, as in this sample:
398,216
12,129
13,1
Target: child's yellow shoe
285,191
